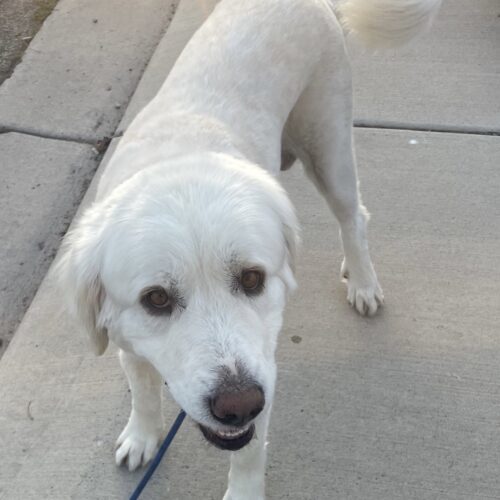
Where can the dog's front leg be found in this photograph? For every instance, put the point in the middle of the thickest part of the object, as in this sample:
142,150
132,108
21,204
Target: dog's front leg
139,440
248,465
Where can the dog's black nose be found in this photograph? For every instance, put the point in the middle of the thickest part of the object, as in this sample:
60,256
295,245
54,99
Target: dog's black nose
237,407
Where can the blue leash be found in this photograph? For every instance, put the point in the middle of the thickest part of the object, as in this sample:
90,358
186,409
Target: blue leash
157,459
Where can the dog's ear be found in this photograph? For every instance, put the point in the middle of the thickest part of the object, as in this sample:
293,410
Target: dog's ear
291,235
292,240
79,278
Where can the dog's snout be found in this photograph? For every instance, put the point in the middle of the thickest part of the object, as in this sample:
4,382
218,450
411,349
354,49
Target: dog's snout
237,407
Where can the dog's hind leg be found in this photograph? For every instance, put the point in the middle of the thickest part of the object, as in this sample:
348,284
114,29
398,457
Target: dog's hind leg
139,440
321,126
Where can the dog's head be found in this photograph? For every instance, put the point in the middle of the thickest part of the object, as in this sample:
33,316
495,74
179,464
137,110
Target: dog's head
189,266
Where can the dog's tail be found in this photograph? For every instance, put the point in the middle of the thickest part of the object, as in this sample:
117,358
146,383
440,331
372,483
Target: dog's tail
386,23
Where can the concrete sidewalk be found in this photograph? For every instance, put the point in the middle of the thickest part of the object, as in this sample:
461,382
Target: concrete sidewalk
402,406
57,112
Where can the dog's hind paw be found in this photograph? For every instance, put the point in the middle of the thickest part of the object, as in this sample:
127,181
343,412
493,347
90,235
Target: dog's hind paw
137,444
365,298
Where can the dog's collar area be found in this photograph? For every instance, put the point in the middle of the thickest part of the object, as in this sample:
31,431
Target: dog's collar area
231,439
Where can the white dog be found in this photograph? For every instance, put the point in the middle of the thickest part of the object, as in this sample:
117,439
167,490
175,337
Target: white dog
187,255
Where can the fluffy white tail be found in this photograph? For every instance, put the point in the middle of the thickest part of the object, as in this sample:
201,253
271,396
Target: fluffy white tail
386,23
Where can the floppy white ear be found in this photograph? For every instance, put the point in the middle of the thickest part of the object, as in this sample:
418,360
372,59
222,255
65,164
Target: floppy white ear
292,240
78,273
291,234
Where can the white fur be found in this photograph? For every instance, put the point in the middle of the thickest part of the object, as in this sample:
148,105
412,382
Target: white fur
189,199
386,23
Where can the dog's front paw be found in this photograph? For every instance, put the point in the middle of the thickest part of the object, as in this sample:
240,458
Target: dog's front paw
248,496
364,294
138,443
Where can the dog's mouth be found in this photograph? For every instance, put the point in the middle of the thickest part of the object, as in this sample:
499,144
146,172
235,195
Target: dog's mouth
231,439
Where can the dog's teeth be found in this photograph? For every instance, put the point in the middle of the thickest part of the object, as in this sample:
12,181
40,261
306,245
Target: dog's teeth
231,434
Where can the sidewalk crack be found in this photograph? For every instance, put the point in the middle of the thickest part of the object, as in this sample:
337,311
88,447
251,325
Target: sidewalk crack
99,144
441,129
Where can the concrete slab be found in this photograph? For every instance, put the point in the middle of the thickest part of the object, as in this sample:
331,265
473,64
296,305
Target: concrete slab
401,406
79,72
189,17
41,185
448,80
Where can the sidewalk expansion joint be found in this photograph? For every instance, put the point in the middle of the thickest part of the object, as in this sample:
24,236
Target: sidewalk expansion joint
99,144
102,144
440,129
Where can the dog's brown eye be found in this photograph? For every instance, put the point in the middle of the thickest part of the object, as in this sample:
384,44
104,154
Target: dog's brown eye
252,280
157,300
